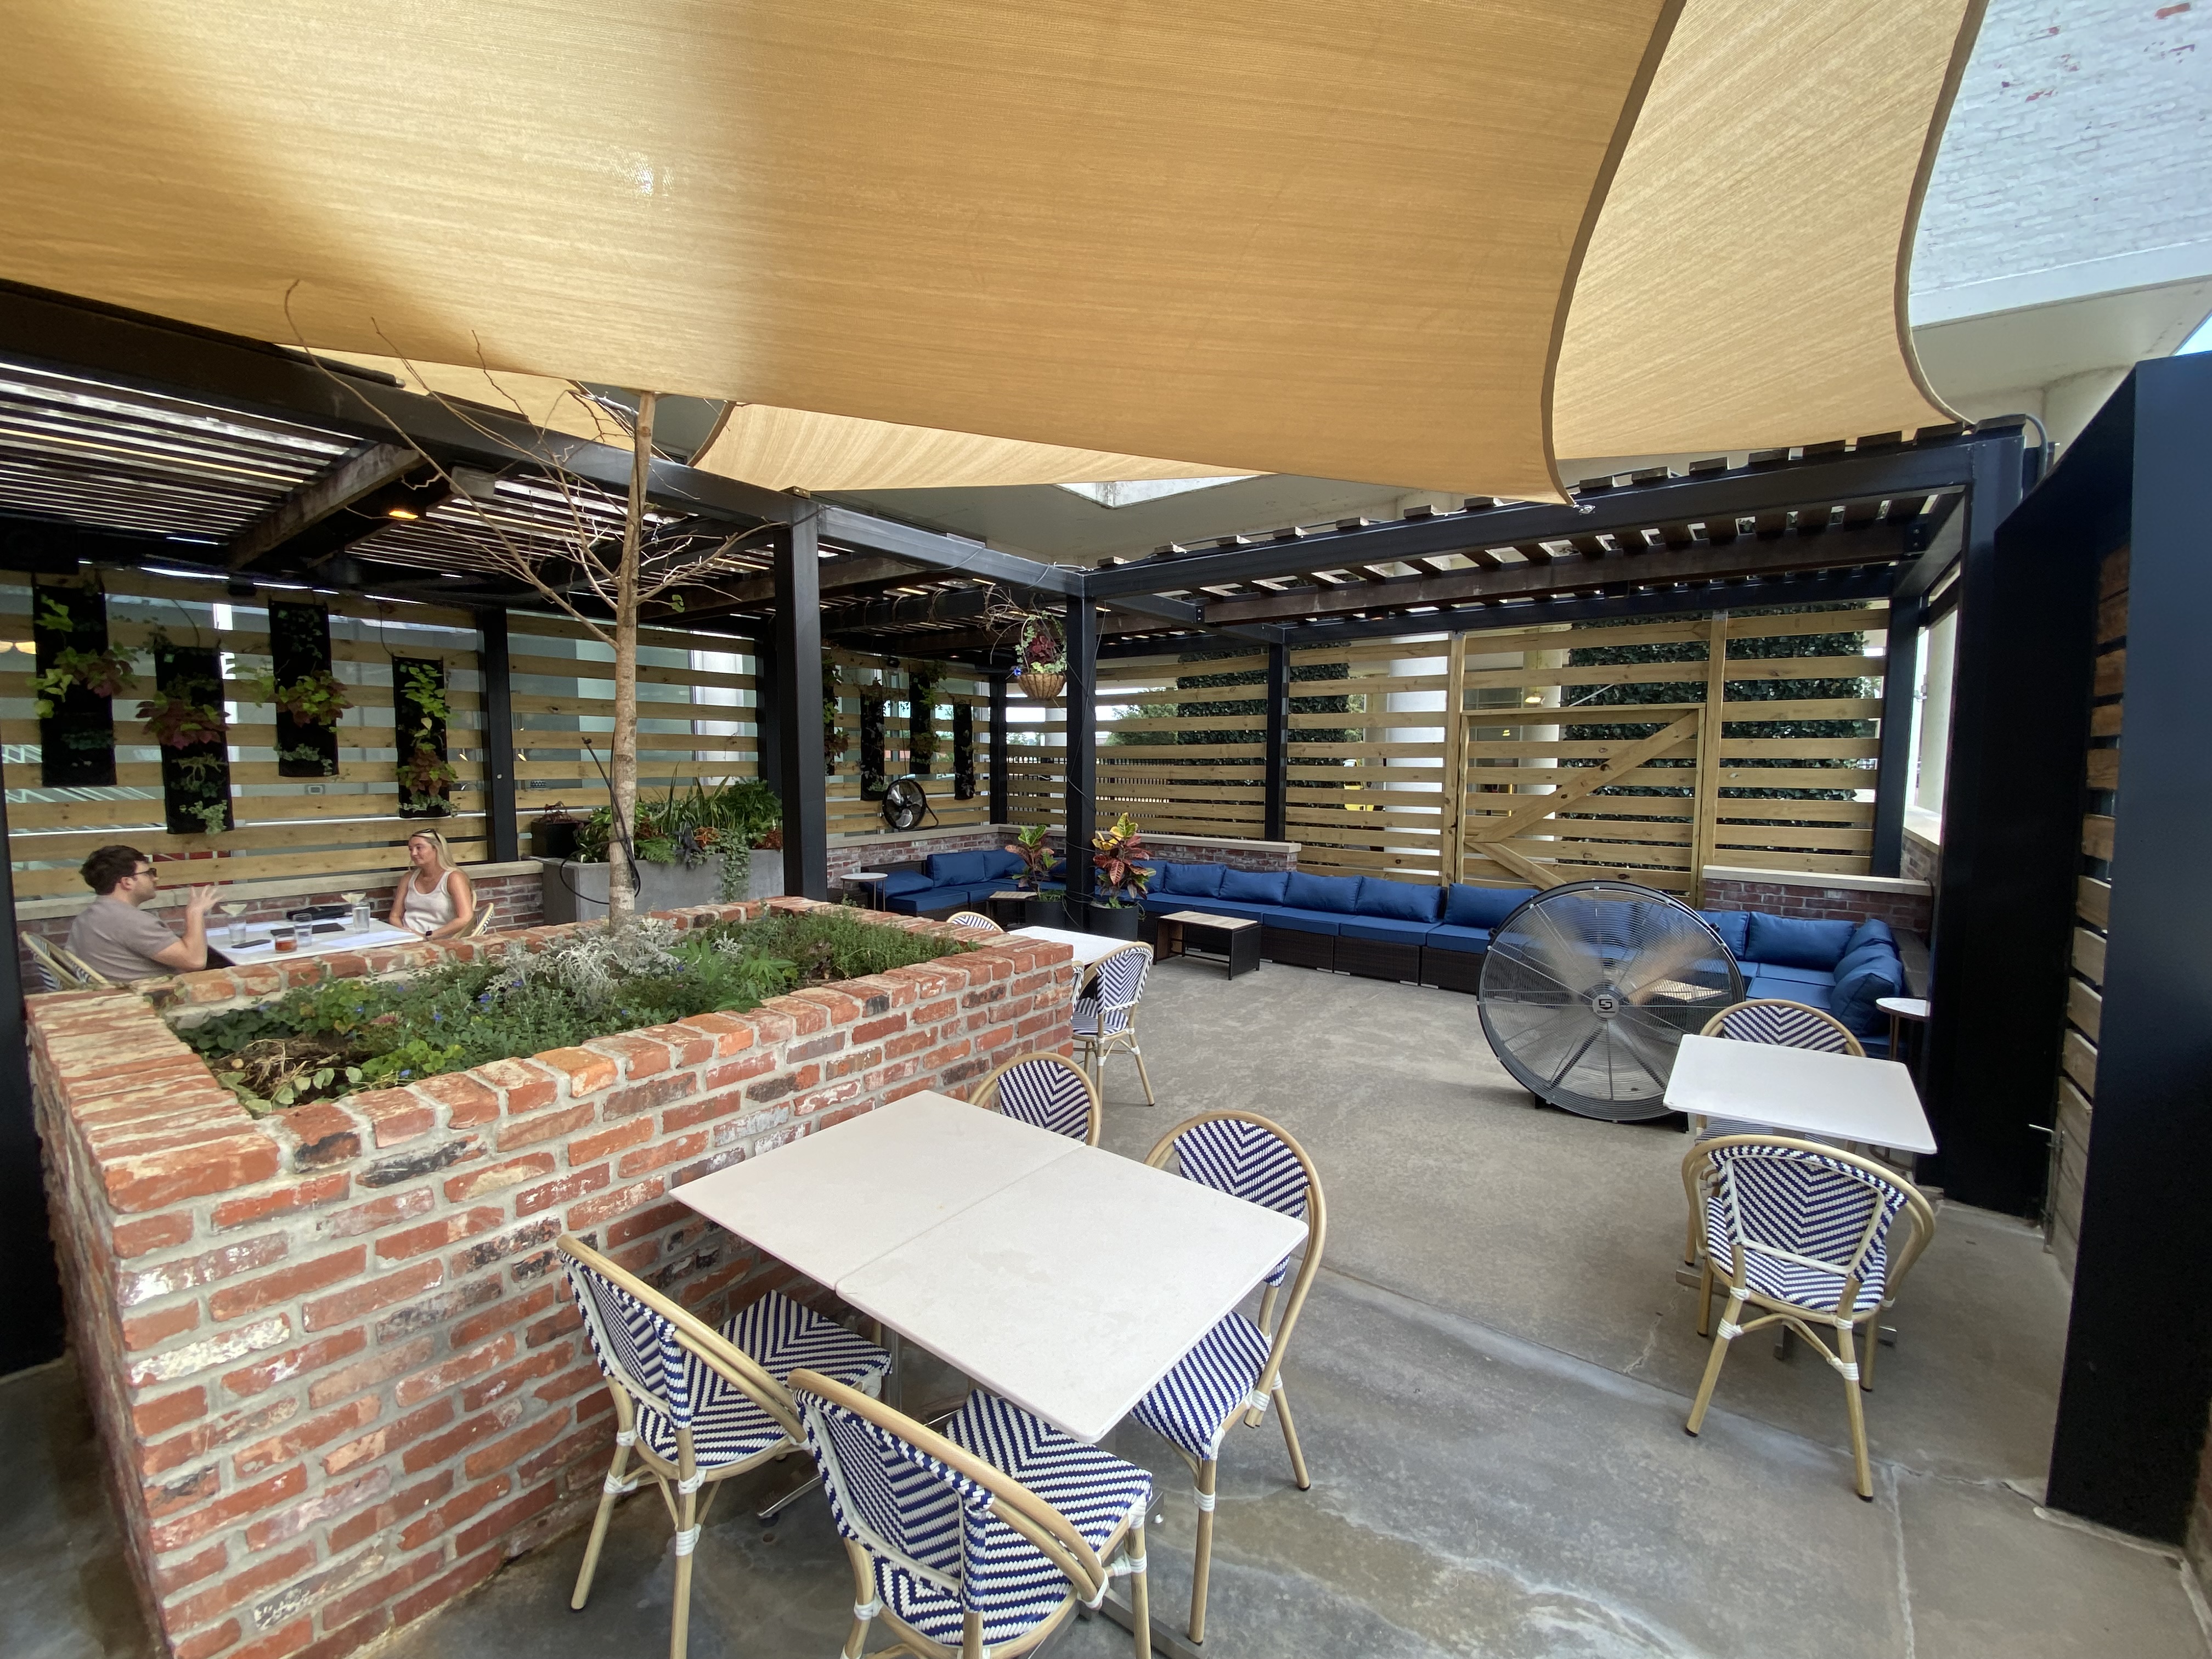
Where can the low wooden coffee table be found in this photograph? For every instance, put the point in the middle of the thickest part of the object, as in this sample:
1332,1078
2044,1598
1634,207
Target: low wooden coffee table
1234,940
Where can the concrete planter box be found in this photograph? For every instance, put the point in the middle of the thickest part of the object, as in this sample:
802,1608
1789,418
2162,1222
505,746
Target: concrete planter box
578,892
337,1378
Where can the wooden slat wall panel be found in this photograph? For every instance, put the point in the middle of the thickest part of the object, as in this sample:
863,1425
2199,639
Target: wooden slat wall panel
1177,769
1367,796
849,815
2076,1085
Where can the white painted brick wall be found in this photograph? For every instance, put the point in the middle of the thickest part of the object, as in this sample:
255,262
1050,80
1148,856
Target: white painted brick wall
2083,130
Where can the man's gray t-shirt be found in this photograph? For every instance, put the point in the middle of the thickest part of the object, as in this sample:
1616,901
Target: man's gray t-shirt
119,940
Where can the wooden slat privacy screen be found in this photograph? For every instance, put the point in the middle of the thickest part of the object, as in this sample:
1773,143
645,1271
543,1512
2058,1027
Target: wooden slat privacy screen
851,815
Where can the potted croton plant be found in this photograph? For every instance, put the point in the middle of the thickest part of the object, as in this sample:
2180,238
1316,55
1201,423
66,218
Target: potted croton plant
1116,907
1035,851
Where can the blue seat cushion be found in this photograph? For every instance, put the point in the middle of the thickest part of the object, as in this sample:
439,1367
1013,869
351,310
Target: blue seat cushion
1160,904
1789,990
1482,908
1473,940
1192,879
1337,894
1385,930
907,881
1734,928
1872,954
1783,971
1397,900
1003,867
930,898
1853,999
1255,886
1797,943
1872,931
959,869
1301,922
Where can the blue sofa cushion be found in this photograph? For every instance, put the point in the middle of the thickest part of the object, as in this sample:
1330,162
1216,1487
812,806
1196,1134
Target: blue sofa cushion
1734,928
1396,900
1255,886
907,881
1385,930
1797,944
1002,866
1473,940
1339,895
931,898
1872,954
1872,931
959,869
1783,971
1301,922
1789,990
1852,1000
1482,908
1192,879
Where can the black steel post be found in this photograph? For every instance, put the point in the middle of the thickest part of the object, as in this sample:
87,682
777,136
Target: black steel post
1082,745
32,1333
799,703
768,715
999,810
501,831
1276,812
1893,788
2137,1380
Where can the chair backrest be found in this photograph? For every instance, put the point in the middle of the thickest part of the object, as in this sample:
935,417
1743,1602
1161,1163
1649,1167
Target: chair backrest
976,919
481,921
1113,989
913,1499
1248,1157
656,1353
1049,1090
1785,1025
70,963
1786,1205
52,974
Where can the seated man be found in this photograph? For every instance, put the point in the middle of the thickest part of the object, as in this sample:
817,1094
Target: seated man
113,936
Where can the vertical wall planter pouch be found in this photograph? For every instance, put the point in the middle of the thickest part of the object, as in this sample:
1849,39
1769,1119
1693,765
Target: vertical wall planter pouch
921,721
309,699
185,717
419,713
873,782
76,725
963,752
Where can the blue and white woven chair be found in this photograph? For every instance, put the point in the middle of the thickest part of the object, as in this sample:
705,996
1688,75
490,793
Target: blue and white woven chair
979,1540
1049,1090
1786,1026
1235,1370
1805,1231
974,920
1106,1012
695,1406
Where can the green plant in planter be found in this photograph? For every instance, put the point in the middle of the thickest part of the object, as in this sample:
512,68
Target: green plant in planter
213,815
424,777
921,718
188,715
832,740
1030,847
106,674
1114,854
320,698
306,754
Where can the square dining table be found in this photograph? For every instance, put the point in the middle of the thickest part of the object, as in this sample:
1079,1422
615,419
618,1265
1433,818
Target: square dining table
376,936
1840,1097
1088,947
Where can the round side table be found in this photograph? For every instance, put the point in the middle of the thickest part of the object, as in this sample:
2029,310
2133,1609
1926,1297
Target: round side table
871,882
1903,1011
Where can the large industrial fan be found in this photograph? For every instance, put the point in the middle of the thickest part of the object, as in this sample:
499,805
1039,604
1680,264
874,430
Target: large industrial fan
1590,988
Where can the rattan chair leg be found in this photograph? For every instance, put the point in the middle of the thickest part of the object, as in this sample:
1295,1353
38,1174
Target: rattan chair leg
1844,1347
608,1493
679,1630
1713,1364
864,1596
1201,1559
1290,1438
1866,1359
1140,1594
1705,1298
1143,1076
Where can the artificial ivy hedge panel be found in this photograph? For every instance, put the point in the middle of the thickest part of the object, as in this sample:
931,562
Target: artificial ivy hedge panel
299,647
76,741
873,782
419,713
963,752
195,774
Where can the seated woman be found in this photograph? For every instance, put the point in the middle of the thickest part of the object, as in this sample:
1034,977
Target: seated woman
434,898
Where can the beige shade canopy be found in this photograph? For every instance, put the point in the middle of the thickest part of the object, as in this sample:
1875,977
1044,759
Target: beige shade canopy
1008,242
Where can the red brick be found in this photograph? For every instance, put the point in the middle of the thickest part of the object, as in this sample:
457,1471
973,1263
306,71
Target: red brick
201,1644
300,1195
378,1213
379,1591
323,1134
331,1502
513,1448
147,1329
588,1149
637,1226
355,1528
639,1055
351,1638
396,1114
460,1368
542,1363
453,1512
594,1442
429,1454
645,1096
504,1520
247,1500
569,1383
739,1070
494,1176
336,1309
286,1641
435,1235
152,1417
534,1199
306,1435
475,1330
461,1580
645,1159
405,1432
546,1125
367,1373
168,1580
523,1087
295,1362
155,1181
585,1072
593,1210
237,1300
467,1101
250,1580
158,1232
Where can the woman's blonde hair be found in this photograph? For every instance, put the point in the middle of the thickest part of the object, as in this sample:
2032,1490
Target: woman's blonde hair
438,845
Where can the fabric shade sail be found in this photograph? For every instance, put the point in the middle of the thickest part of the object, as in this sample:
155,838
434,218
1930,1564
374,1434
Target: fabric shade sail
1433,243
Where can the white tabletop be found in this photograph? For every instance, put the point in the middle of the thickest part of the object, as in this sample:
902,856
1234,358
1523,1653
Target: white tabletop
866,875
1835,1097
375,936
1902,1007
832,1202
1088,947
1074,1290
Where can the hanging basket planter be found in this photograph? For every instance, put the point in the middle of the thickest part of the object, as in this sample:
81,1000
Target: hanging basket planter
1043,687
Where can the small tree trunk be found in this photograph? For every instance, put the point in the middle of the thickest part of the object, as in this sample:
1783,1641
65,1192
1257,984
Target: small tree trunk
622,875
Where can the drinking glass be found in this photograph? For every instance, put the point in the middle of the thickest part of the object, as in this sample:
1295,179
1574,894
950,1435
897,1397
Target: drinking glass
285,937
233,909
358,922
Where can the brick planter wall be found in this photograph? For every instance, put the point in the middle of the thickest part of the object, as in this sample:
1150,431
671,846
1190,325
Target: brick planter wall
880,852
337,1376
1904,905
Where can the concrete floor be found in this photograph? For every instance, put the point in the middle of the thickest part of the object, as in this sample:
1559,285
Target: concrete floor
1490,1382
